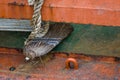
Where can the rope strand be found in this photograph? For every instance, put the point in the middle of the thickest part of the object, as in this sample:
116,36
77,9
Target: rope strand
38,30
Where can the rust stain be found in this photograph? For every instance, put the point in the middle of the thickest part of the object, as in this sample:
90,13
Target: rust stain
84,57
10,51
105,70
16,4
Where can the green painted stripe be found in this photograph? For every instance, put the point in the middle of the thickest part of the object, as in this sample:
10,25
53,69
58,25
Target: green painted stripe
88,39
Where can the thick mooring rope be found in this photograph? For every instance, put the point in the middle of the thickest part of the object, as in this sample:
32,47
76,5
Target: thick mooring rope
38,30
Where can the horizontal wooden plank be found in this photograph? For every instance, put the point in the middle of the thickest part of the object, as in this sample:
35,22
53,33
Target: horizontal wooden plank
86,39
102,12
92,40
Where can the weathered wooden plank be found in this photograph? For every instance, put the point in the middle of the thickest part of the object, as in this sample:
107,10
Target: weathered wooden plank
98,12
86,39
92,40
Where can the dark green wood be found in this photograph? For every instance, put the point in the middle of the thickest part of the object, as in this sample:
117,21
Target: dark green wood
94,40
87,39
12,39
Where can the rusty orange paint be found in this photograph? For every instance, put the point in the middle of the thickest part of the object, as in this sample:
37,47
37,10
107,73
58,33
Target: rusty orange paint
102,12
71,60
10,51
54,69
84,57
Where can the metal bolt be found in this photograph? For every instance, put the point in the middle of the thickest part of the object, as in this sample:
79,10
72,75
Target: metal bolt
12,68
